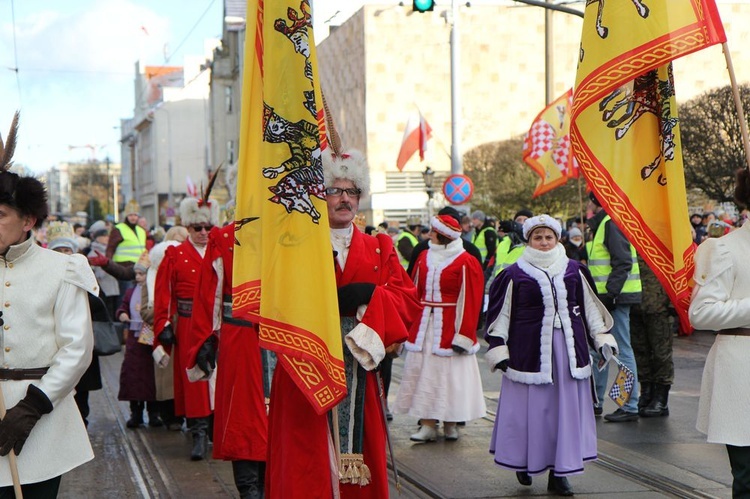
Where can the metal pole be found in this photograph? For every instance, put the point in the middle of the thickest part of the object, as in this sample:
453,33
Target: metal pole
456,159
170,200
548,56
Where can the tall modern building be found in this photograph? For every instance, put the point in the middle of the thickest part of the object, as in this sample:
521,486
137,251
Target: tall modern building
386,62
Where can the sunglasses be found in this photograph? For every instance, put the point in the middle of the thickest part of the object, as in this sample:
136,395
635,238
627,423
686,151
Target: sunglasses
199,227
338,191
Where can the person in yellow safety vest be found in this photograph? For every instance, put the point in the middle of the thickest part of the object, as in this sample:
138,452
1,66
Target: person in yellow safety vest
408,239
485,238
613,264
512,245
127,241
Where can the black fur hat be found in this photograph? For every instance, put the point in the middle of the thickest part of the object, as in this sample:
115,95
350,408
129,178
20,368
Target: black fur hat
25,194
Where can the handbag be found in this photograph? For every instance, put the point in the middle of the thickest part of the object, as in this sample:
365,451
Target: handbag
107,339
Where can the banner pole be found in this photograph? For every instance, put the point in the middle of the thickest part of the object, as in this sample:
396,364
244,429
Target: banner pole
737,103
11,456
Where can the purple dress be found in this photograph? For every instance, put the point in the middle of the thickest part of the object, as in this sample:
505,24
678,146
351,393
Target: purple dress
137,382
547,426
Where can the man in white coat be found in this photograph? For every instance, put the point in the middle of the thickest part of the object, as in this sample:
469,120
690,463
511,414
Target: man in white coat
46,340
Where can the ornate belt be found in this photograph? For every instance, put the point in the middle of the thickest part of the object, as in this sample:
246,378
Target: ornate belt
226,313
20,374
184,307
438,304
736,331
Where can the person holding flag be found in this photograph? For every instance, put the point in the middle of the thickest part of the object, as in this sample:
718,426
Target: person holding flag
378,304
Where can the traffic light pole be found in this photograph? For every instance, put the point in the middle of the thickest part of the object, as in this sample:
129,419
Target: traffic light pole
456,159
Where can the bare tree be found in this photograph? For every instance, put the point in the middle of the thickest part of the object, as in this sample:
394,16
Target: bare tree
503,183
712,142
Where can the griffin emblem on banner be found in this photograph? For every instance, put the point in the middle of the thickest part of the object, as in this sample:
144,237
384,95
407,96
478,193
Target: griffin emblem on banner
646,94
603,31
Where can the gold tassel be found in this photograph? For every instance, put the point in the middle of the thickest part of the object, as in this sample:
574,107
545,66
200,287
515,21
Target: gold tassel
352,469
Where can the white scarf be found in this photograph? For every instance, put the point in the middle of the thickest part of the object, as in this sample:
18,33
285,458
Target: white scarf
341,239
553,261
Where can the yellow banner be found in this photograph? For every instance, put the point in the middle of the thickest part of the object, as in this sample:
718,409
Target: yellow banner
625,130
546,148
283,265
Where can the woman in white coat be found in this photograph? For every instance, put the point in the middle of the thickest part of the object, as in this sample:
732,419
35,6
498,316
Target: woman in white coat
721,303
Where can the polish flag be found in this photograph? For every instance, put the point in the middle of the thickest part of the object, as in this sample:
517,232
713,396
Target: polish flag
416,135
192,189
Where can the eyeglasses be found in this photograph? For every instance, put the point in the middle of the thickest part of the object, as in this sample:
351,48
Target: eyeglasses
338,191
199,227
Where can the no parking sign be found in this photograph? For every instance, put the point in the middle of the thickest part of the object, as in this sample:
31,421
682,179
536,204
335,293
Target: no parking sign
458,189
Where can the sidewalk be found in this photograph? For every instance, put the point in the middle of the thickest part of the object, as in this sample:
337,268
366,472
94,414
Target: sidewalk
657,457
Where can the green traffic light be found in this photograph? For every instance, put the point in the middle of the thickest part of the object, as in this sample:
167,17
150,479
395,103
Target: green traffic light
423,5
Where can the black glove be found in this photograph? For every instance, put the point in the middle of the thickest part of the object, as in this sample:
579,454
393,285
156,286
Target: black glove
353,295
20,420
167,337
502,365
206,358
608,301
458,349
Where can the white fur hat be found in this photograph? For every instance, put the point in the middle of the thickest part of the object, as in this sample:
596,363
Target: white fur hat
541,221
195,211
351,165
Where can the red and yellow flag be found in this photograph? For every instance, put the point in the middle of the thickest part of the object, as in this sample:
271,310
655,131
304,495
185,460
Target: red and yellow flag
546,148
283,265
625,130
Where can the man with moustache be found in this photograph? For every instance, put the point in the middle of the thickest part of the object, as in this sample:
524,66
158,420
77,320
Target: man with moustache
377,304
176,284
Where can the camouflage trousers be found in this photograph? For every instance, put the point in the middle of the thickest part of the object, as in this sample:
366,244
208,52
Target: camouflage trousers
651,337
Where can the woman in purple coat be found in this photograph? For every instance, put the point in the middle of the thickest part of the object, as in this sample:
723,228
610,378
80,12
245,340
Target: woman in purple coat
543,315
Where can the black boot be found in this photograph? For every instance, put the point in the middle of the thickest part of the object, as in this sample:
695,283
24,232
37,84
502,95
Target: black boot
136,415
249,478
199,427
658,406
523,478
559,485
154,419
647,393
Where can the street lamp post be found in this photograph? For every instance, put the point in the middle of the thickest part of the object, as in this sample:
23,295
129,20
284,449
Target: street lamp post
428,175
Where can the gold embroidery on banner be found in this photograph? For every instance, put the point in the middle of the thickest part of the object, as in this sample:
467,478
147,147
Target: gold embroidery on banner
245,297
305,345
307,372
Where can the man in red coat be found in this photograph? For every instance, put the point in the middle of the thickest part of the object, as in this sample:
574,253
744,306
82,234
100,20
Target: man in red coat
377,303
176,284
240,421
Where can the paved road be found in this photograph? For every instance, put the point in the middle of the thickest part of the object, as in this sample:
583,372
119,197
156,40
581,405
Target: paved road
662,457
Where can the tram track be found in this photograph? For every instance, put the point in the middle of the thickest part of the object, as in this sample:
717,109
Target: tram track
655,482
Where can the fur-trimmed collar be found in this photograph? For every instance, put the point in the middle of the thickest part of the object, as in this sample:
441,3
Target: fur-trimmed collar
553,262
440,252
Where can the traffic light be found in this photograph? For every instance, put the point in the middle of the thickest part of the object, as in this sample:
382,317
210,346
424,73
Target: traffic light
423,5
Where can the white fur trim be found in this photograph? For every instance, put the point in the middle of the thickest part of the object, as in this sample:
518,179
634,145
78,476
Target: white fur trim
352,167
439,226
464,342
195,373
541,221
496,355
191,212
605,339
366,346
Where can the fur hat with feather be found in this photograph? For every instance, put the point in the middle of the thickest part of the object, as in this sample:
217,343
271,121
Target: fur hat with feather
340,164
25,194
201,211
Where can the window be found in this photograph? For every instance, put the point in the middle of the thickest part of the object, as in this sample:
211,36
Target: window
228,99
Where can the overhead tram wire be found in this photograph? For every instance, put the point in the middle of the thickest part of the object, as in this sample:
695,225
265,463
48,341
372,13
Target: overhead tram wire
15,50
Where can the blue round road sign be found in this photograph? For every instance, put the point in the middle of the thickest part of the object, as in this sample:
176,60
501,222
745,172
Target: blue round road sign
458,189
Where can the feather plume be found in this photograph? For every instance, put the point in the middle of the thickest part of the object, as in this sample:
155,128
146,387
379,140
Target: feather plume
335,139
211,182
7,149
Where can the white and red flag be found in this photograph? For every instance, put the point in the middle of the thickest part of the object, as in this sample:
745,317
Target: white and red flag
192,189
416,135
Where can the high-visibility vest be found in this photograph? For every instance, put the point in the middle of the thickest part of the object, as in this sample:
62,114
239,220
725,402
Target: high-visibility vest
600,266
133,244
481,244
508,258
414,241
